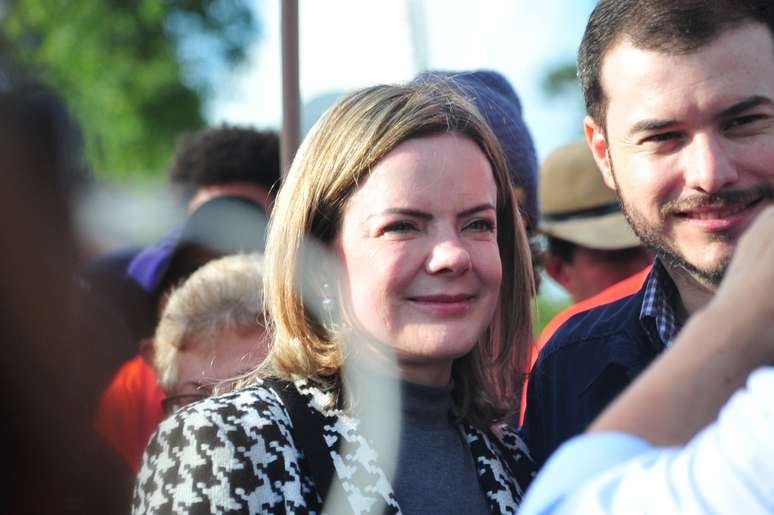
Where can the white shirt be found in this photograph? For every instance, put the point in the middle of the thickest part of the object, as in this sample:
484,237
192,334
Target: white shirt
726,468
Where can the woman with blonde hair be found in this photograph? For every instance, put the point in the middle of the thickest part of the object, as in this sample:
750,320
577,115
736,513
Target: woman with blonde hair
396,261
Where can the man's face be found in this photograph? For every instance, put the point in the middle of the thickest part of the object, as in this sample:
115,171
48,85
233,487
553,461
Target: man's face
592,270
689,144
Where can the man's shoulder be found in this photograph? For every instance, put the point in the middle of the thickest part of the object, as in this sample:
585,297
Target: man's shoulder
617,291
602,323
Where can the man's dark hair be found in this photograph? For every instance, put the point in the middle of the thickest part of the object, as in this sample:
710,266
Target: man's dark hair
669,26
226,154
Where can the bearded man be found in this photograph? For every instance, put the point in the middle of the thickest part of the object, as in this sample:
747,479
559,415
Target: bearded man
680,101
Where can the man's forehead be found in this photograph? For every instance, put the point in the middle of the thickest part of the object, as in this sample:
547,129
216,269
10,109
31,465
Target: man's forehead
642,82
751,35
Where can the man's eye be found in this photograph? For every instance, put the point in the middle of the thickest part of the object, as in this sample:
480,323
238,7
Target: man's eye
744,121
662,137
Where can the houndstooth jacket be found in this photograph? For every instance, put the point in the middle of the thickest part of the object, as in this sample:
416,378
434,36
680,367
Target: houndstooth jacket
236,454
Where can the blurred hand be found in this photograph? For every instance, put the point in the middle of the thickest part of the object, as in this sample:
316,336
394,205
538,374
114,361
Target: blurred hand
746,295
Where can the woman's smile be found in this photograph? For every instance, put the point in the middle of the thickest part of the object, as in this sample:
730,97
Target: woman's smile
444,304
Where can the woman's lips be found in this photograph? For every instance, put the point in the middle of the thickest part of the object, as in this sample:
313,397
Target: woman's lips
444,305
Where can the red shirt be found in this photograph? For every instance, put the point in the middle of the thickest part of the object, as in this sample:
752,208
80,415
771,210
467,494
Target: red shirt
130,409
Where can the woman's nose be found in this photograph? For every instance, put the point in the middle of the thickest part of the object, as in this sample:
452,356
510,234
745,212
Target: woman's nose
449,256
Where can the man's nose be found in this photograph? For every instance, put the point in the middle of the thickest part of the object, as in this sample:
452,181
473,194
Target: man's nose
709,167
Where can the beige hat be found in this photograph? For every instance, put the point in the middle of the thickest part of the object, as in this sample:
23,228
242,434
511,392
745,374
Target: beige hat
576,204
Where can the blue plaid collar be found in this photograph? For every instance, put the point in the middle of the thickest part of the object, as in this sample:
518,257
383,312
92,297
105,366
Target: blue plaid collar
660,303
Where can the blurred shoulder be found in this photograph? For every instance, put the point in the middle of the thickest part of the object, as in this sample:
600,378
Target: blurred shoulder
210,446
255,406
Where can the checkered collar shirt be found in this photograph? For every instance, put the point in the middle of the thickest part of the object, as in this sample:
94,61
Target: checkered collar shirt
660,304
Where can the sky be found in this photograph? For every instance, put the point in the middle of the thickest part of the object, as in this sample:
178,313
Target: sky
346,44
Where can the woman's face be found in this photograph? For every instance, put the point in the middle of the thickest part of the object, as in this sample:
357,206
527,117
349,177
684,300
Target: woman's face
418,247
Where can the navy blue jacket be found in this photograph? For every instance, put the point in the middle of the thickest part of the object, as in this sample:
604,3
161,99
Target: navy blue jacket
589,360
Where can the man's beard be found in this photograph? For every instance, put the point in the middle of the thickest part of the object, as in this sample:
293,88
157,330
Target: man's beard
652,235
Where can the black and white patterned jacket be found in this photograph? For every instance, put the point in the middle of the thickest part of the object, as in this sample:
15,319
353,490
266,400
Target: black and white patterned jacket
236,453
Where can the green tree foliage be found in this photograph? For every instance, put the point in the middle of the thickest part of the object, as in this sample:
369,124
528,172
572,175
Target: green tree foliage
135,73
560,85
545,308
560,79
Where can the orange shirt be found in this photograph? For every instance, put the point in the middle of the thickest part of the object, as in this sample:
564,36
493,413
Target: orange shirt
130,409
619,290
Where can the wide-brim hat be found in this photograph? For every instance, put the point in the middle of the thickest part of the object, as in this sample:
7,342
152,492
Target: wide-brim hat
577,205
608,231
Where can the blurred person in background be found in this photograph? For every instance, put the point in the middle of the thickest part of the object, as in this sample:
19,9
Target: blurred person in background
53,333
396,261
590,246
224,161
227,174
227,160
211,330
131,406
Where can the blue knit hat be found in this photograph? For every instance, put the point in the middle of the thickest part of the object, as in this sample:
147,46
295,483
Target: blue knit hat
498,103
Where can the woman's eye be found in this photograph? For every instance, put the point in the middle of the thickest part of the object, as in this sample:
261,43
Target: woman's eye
481,225
399,227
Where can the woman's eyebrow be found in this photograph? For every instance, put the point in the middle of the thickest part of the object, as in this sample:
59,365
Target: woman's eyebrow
414,213
475,209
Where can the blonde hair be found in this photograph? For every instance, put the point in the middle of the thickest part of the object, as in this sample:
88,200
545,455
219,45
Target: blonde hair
337,155
223,294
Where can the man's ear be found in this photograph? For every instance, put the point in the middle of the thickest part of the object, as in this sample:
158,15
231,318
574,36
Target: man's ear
597,141
147,350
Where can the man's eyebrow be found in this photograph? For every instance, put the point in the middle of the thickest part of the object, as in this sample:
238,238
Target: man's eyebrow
744,105
651,125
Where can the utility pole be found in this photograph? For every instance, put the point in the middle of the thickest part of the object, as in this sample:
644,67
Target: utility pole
290,137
